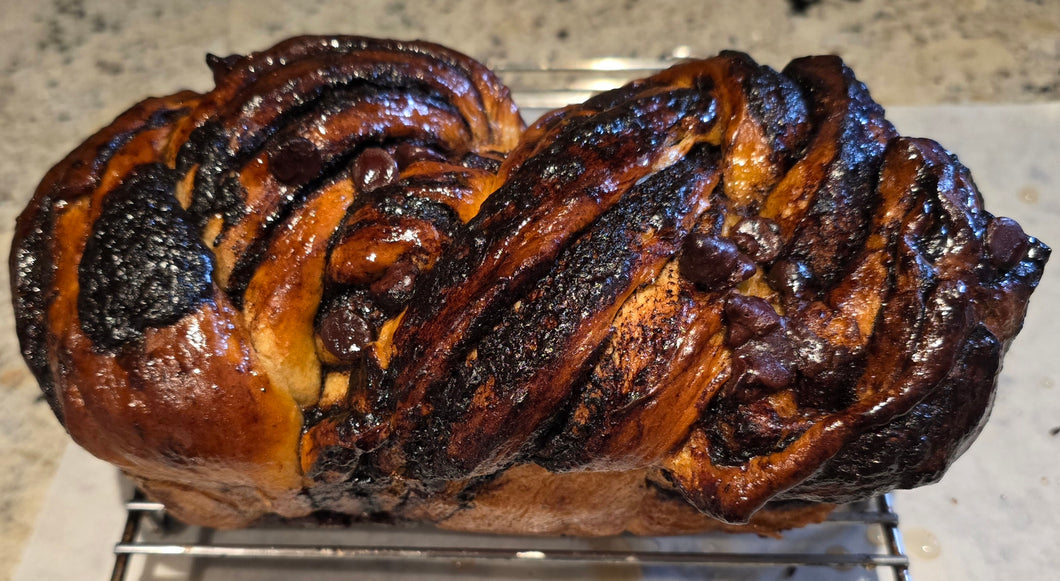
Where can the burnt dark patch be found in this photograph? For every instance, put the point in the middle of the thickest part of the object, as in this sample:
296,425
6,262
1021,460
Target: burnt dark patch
247,264
207,147
30,260
915,448
472,160
540,190
32,272
144,265
616,97
778,105
535,337
403,203
833,231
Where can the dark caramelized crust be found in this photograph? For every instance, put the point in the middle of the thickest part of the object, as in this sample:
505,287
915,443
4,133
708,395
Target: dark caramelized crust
347,280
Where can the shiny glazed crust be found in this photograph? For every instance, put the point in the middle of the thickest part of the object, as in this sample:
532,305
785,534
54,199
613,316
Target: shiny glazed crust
349,280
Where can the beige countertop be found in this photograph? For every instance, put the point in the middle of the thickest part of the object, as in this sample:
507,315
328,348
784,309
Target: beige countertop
67,67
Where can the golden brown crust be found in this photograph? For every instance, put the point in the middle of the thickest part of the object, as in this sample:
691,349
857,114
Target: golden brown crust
528,499
347,280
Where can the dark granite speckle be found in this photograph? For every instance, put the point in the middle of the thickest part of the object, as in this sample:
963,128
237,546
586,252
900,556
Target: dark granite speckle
801,6
109,67
74,8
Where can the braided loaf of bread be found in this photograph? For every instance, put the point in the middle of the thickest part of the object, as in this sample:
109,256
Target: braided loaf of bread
348,280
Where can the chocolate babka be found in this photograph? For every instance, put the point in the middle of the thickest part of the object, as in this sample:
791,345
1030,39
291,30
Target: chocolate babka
350,281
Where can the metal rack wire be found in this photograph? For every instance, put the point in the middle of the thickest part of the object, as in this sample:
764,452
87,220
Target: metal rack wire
536,88
540,87
158,538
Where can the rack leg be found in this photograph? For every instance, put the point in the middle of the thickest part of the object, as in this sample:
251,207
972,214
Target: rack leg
128,535
893,538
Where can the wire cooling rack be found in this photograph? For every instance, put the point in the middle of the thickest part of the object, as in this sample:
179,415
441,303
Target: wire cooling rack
822,549
150,534
541,87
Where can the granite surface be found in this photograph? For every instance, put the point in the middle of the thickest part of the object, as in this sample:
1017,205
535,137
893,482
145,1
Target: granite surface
67,67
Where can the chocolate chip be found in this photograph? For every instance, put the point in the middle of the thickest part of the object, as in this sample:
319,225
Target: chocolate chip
762,369
296,161
394,289
1006,242
771,373
373,168
345,334
758,238
738,335
790,277
713,263
749,317
767,361
815,354
407,154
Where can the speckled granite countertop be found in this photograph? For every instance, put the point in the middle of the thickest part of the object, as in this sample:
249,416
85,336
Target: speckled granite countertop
67,67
